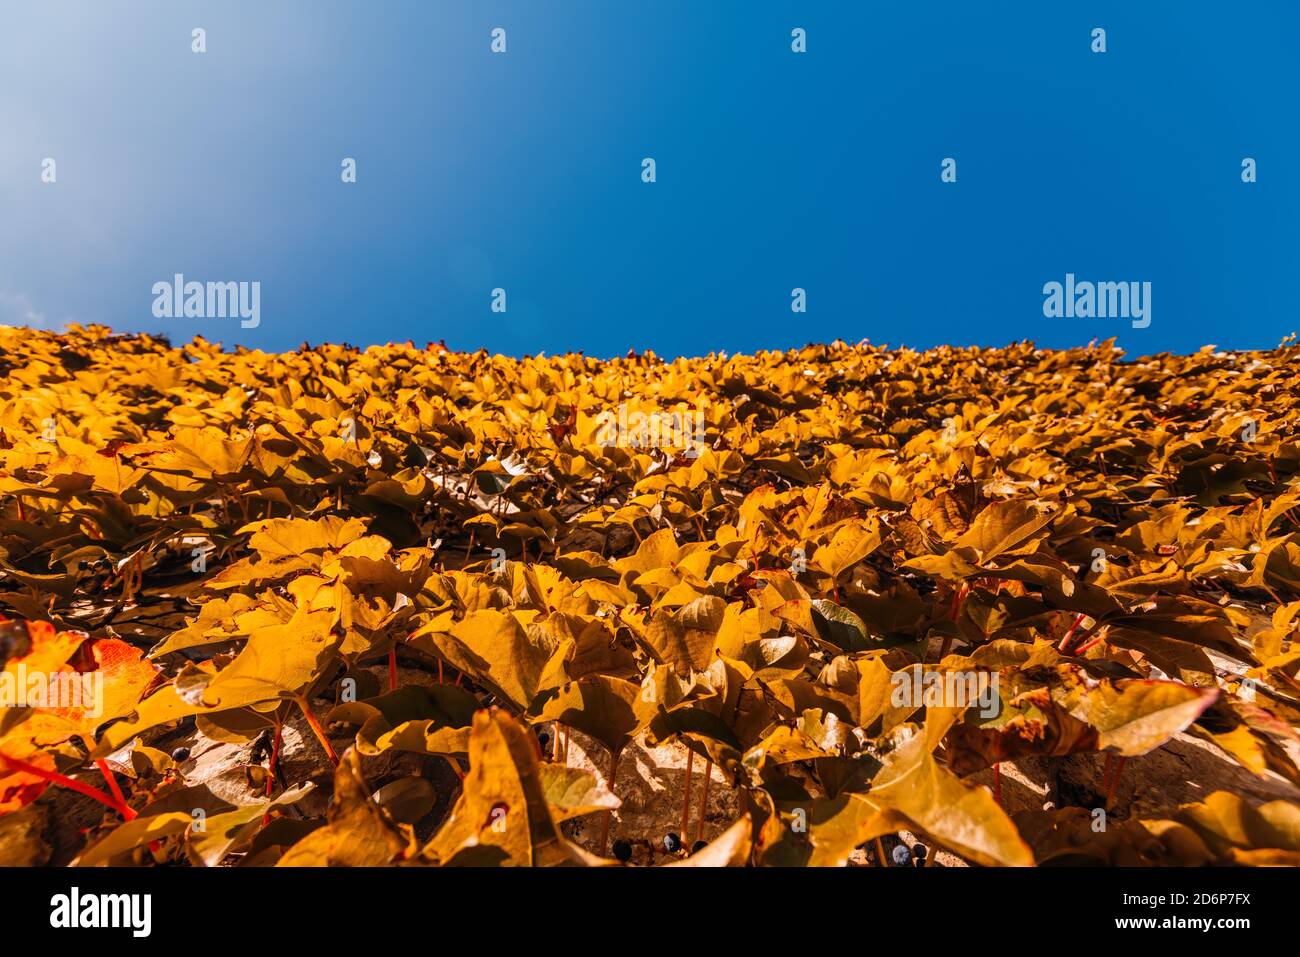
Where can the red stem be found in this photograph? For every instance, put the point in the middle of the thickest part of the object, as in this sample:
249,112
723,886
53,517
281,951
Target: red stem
1084,647
997,783
1114,781
270,773
1065,639
112,781
317,729
392,668
54,777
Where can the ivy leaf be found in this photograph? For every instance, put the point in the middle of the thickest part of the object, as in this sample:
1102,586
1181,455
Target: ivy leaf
276,662
851,543
418,719
508,657
358,832
573,792
916,788
502,809
610,710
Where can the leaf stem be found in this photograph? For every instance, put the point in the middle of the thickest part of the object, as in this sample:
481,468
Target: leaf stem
1065,639
1114,781
1084,647
270,772
112,783
305,707
54,777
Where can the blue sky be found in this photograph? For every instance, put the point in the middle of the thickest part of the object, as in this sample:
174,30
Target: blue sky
775,170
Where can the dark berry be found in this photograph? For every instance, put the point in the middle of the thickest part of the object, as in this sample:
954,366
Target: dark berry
698,846
901,855
672,843
919,851
622,851
181,754
543,739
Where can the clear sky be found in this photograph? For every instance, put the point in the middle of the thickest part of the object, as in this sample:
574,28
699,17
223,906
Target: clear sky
775,169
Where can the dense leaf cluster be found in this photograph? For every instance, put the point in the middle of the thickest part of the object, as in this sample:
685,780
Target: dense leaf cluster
237,540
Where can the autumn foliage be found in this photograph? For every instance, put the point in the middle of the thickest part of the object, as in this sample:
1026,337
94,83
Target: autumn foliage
239,540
